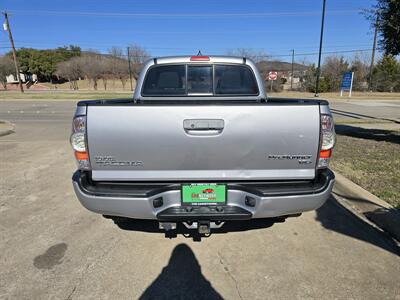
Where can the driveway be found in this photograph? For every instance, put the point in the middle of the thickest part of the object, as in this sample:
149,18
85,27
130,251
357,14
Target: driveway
51,247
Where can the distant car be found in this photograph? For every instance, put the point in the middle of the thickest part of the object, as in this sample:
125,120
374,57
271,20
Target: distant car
195,123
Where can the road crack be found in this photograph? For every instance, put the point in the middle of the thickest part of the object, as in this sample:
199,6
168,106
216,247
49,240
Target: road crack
221,261
70,294
90,265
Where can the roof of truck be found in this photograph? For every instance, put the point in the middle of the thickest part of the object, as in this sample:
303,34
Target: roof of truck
200,59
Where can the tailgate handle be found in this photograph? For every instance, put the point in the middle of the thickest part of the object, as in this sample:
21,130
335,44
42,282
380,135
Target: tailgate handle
203,126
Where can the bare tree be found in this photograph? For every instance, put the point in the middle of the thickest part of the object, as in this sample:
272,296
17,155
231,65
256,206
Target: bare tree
70,70
137,55
116,52
253,54
6,68
332,71
91,66
118,65
121,71
95,66
360,67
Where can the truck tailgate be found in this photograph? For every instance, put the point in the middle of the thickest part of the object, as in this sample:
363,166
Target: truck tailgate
203,142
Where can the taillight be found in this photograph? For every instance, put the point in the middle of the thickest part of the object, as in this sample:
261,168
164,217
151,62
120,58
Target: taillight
328,139
78,142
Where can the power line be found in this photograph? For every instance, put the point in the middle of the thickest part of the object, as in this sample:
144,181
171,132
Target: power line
269,49
314,53
255,56
179,15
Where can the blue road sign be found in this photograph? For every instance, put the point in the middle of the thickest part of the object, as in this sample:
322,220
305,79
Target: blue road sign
346,81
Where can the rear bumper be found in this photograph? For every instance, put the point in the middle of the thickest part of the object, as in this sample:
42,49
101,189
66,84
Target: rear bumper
137,200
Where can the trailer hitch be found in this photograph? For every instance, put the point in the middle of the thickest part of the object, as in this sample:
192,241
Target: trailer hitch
203,227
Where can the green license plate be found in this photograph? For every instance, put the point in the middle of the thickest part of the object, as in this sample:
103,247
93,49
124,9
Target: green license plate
203,194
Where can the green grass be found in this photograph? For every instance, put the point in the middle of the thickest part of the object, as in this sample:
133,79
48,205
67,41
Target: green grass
336,95
371,162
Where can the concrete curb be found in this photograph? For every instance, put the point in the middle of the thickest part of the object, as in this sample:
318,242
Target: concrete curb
6,128
367,206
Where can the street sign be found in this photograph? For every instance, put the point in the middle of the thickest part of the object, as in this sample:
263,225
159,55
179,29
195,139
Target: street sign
272,75
347,83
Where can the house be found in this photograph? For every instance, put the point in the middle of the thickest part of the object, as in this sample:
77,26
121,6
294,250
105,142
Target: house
24,78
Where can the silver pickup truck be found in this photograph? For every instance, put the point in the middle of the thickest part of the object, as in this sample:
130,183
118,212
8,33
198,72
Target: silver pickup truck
200,143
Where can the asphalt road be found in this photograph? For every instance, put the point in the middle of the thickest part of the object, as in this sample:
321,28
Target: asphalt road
58,110
51,247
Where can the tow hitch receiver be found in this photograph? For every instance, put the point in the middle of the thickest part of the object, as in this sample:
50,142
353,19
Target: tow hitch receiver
167,226
204,227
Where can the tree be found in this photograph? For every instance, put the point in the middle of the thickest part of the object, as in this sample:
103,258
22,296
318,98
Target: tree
137,55
6,68
119,65
308,81
360,67
386,75
332,71
388,14
44,62
91,67
254,55
71,71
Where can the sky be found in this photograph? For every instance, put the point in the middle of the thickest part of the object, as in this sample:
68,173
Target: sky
175,27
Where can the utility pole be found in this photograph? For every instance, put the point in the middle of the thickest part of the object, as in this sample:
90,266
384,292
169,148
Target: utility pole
291,78
14,52
371,68
320,49
130,70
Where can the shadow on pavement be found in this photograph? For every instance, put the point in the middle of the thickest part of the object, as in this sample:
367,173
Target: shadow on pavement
151,226
360,116
333,216
181,279
370,134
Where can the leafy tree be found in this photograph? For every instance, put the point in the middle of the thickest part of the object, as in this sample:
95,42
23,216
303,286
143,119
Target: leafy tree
6,68
44,62
386,75
308,81
388,14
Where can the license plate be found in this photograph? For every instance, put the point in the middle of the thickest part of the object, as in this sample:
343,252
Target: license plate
203,194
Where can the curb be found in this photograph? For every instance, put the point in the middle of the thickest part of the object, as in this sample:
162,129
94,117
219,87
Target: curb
8,128
367,206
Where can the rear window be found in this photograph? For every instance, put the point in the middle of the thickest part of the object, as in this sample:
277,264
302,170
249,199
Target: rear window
165,81
234,80
200,80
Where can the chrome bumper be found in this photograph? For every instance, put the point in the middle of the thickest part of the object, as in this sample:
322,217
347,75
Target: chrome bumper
142,207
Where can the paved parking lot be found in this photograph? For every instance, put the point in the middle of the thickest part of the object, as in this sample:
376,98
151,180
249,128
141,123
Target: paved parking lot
51,247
